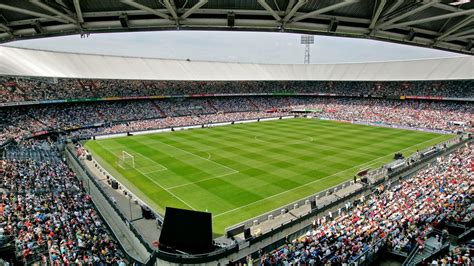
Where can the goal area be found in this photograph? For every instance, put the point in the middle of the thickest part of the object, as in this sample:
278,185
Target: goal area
125,160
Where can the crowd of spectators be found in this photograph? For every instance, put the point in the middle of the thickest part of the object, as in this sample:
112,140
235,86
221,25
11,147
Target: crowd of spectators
15,89
181,121
37,143
50,217
131,115
46,210
72,115
434,115
459,255
16,123
403,215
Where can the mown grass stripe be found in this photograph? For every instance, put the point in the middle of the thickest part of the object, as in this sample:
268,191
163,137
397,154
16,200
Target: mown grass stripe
267,174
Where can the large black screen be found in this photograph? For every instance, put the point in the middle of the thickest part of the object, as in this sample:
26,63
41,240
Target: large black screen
186,231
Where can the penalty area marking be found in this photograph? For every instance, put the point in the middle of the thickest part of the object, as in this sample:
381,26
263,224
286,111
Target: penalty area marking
165,189
187,152
156,182
113,150
163,168
190,153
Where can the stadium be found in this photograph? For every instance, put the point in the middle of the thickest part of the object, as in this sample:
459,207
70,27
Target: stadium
129,160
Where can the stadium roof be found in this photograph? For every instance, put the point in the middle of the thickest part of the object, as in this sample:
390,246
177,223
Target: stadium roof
435,23
27,62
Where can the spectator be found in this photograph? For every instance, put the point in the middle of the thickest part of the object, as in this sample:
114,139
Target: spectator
46,209
404,215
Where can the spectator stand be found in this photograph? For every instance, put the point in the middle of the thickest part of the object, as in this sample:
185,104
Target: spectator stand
136,248
360,257
39,192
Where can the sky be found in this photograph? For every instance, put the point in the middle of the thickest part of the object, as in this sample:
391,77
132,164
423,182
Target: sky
244,47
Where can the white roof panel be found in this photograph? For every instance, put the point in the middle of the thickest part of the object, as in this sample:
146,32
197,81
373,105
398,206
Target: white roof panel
27,62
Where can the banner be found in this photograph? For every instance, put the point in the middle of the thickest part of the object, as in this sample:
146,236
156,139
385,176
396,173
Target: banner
77,100
39,133
425,97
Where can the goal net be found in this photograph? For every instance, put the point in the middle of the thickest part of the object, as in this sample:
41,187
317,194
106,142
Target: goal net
126,160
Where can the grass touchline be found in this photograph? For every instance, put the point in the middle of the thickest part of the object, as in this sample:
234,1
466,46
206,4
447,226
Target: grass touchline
240,171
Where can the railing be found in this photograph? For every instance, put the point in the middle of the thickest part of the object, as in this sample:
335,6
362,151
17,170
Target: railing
367,257
90,177
294,205
131,195
377,175
36,254
6,240
447,146
6,143
302,218
178,258
437,252
411,256
466,235
443,249
302,231
196,258
416,250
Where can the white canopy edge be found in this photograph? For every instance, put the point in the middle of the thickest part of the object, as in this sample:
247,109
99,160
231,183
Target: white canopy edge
28,62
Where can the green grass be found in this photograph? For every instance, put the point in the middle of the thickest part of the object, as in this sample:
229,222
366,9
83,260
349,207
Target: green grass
238,172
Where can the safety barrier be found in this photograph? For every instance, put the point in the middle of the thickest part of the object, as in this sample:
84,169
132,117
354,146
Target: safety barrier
76,164
293,205
223,252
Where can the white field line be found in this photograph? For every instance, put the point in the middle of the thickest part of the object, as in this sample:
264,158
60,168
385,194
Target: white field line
154,171
186,184
165,189
202,180
207,159
153,161
123,147
190,153
156,182
315,181
407,148
136,153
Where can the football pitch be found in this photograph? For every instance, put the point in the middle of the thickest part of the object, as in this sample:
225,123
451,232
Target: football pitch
237,172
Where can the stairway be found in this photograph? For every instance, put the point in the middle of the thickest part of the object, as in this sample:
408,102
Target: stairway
213,107
162,113
253,104
18,90
38,120
429,249
287,101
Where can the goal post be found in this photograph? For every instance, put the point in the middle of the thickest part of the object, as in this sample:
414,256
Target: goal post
126,160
